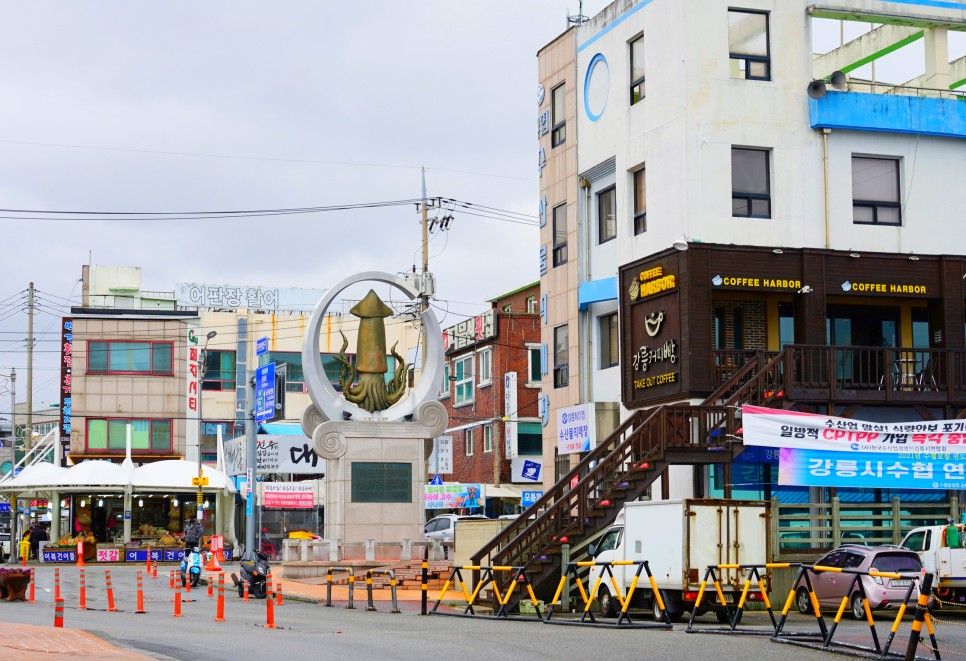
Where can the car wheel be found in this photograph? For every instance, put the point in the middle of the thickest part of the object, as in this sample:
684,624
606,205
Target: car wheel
606,604
803,601
858,608
674,616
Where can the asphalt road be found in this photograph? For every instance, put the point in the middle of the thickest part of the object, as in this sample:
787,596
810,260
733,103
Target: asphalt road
310,629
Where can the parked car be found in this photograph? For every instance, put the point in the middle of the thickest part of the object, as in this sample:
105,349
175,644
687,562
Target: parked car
443,527
882,593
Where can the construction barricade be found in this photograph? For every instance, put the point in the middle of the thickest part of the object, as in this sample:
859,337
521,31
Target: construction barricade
392,587
733,612
488,576
856,589
352,585
623,618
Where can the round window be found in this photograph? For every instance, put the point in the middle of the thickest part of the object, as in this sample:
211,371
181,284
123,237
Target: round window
596,87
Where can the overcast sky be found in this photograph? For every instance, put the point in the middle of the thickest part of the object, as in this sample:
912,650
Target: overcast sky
117,106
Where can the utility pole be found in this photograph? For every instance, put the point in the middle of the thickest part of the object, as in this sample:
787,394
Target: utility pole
28,430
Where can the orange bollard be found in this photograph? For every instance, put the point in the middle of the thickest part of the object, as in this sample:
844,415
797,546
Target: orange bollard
177,600
154,572
278,595
59,613
82,599
32,586
220,612
23,560
269,605
147,566
56,583
110,592
171,580
80,554
211,587
245,591
140,608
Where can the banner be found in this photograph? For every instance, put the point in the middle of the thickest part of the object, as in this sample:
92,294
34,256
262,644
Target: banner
288,495
451,496
868,469
576,429
274,454
806,431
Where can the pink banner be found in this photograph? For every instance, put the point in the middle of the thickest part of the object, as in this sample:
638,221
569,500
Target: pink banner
288,495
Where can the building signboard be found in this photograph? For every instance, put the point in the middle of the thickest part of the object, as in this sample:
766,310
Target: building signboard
872,470
510,432
232,297
66,394
441,458
470,332
526,470
192,387
576,429
274,454
288,495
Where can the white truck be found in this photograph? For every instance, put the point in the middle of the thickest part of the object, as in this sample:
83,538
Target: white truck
680,539
946,564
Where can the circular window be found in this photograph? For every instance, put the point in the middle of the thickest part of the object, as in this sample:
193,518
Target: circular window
596,87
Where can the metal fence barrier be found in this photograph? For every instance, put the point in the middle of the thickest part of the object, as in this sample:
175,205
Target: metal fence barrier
488,577
734,613
392,586
328,585
623,619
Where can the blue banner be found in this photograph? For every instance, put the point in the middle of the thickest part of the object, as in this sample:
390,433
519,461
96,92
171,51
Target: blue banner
902,470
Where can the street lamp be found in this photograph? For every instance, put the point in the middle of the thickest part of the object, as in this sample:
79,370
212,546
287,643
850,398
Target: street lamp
201,422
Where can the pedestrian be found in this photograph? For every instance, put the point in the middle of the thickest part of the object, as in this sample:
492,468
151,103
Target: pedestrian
38,534
953,539
192,532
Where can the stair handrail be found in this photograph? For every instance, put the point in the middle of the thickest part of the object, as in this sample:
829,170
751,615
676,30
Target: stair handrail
753,385
732,381
548,501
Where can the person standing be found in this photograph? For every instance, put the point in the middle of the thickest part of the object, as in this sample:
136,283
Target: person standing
953,539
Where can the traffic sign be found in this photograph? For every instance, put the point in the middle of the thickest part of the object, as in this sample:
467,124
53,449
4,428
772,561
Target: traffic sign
265,393
261,346
199,481
436,481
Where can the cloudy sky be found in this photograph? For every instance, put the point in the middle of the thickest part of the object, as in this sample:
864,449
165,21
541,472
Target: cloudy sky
117,107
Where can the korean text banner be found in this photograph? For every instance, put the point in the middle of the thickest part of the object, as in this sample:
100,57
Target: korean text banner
789,429
451,496
870,469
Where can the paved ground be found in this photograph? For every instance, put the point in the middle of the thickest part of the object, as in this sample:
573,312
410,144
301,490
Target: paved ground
304,627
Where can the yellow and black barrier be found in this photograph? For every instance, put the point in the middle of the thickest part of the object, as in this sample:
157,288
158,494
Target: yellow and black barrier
623,618
328,585
856,589
488,577
392,587
733,612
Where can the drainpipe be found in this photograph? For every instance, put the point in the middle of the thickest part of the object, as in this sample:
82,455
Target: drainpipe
584,330
825,133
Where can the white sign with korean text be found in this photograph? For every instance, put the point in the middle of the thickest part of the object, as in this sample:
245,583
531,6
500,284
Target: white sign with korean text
510,412
192,392
274,454
441,459
576,429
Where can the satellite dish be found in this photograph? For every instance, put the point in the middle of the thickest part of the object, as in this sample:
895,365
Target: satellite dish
838,81
816,89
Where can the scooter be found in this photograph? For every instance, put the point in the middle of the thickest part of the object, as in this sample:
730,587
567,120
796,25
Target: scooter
255,572
191,566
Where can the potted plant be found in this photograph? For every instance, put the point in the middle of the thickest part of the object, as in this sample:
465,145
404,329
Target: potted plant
13,583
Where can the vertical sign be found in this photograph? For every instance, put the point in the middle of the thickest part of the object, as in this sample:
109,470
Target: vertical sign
192,391
261,346
510,414
250,474
265,393
66,362
441,459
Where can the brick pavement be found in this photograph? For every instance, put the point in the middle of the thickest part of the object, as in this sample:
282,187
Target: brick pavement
30,641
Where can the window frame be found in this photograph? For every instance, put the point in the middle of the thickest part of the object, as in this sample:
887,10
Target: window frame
487,438
640,214
612,336
534,361
225,382
152,344
464,383
485,375
637,84
559,248
561,368
876,205
532,305
468,442
749,197
603,226
120,448
745,57
444,390
558,129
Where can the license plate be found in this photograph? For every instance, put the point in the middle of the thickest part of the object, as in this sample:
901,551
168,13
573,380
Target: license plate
729,598
901,583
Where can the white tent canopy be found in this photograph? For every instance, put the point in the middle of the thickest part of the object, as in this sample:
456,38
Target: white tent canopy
102,475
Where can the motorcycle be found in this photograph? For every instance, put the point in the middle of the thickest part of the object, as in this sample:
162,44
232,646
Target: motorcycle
191,566
255,572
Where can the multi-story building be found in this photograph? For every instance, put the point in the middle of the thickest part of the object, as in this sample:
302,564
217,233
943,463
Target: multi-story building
718,202
492,372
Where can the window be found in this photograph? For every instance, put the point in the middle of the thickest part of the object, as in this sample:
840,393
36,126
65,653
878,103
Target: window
750,190
560,234
637,70
219,371
468,435
110,435
748,44
444,389
486,367
109,357
531,305
561,356
875,191
558,116
606,214
640,203
608,341
463,371
487,438
534,371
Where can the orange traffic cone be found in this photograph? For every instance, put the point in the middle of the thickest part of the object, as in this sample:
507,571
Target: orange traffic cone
212,563
80,554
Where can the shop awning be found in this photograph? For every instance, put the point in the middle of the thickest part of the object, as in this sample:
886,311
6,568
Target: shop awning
511,491
174,474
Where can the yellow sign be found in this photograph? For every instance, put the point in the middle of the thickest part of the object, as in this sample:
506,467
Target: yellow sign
652,281
199,481
771,283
